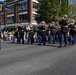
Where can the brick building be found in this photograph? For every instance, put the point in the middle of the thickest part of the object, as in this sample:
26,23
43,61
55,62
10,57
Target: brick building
15,12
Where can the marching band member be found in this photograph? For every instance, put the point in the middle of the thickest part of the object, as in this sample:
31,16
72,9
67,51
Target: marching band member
52,29
41,33
64,31
71,32
30,35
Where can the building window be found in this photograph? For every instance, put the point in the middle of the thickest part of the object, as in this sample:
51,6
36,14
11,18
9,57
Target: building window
2,21
10,19
36,17
36,6
11,8
2,11
23,18
22,5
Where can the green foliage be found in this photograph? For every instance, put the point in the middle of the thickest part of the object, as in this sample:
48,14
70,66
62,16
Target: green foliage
51,10
63,8
72,11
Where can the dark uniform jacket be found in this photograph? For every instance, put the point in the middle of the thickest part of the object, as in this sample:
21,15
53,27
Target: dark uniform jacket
41,31
31,33
71,29
21,31
52,29
64,26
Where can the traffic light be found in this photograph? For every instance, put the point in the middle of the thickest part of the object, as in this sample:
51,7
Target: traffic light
0,7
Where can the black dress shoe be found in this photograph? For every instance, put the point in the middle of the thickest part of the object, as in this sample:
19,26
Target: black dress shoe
39,44
60,46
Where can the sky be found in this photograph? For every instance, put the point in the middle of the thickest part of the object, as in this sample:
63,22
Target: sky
1,0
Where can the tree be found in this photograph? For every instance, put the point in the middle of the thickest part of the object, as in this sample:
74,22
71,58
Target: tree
72,11
64,8
49,10
52,10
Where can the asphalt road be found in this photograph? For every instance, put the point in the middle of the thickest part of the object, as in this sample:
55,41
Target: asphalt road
20,59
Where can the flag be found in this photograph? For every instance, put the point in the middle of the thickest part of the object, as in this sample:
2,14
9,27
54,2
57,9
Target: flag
0,7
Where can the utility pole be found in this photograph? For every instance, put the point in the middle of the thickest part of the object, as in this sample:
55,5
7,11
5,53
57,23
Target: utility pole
60,2
0,25
0,36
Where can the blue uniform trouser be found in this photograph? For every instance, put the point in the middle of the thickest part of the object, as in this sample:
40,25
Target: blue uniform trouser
64,39
13,39
57,38
21,37
74,38
54,38
71,41
50,38
44,39
39,39
28,40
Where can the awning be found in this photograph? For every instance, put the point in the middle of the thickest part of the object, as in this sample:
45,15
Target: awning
2,28
35,26
9,27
